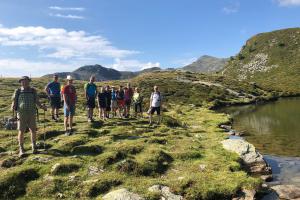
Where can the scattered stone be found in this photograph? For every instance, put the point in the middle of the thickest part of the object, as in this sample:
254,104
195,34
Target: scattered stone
41,159
73,178
267,178
94,170
56,140
287,191
48,177
180,178
202,167
165,192
252,159
226,127
60,195
55,168
122,194
246,195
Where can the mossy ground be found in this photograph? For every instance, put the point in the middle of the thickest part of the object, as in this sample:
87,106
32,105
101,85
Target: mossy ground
128,152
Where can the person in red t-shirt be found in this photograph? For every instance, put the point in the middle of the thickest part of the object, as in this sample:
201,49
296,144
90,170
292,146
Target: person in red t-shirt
70,98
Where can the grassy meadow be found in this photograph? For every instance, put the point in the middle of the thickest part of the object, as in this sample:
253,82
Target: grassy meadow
183,152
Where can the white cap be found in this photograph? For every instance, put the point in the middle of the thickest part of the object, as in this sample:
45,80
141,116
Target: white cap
69,77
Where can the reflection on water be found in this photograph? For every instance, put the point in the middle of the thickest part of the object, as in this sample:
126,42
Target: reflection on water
274,128
285,170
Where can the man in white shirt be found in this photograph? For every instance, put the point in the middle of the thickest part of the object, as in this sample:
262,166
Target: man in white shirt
155,104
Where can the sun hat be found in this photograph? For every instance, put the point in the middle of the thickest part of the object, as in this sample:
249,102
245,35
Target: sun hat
69,77
24,78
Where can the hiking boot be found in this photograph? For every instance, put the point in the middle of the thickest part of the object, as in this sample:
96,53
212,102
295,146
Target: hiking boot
89,120
67,133
53,118
21,152
71,131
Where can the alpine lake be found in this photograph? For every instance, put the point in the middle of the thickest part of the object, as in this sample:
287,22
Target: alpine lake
274,129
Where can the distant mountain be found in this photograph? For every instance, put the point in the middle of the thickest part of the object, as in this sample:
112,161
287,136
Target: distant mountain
206,64
101,73
271,59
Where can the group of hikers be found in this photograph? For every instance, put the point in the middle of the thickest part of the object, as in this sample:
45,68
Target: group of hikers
111,102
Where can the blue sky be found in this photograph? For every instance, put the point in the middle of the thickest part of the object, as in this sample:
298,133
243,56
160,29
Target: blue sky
46,36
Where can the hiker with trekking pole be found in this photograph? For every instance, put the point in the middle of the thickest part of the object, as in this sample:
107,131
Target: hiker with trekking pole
25,100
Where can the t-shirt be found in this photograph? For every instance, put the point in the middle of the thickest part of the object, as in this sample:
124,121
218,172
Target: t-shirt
156,99
54,88
91,89
137,97
70,92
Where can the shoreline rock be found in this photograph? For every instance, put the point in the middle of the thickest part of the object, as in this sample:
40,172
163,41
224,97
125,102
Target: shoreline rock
252,160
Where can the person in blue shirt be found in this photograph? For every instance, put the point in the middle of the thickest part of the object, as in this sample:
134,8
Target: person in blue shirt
53,91
90,91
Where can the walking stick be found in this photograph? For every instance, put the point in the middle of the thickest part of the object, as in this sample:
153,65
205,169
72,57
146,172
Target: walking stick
12,134
44,121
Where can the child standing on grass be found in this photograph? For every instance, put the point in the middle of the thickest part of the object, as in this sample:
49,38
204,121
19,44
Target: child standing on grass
70,98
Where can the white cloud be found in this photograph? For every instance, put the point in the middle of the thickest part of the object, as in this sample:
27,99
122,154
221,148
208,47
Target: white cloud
60,43
233,7
289,2
184,61
132,65
69,16
66,8
21,67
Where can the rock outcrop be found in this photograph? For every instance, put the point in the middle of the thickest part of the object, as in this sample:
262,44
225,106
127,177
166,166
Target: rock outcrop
287,191
252,159
121,194
165,192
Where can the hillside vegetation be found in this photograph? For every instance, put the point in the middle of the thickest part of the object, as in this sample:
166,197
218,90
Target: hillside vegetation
184,152
272,60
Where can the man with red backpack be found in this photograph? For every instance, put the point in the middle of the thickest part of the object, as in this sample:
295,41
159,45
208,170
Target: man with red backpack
25,100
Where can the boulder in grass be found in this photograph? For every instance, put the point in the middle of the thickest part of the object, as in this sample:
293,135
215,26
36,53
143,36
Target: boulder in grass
122,194
252,159
63,168
165,192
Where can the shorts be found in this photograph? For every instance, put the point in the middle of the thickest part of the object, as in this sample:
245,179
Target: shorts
102,104
128,102
27,121
153,109
70,112
114,104
91,102
138,107
121,103
55,102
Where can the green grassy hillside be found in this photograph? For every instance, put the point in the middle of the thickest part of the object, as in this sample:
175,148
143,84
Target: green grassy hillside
272,60
127,153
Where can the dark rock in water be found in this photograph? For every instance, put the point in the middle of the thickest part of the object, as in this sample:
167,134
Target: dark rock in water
252,159
267,178
226,127
287,191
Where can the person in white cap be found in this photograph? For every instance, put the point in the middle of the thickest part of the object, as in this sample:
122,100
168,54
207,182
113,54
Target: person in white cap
70,98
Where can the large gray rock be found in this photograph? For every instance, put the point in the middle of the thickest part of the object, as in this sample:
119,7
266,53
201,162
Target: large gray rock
121,194
287,191
252,159
165,192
